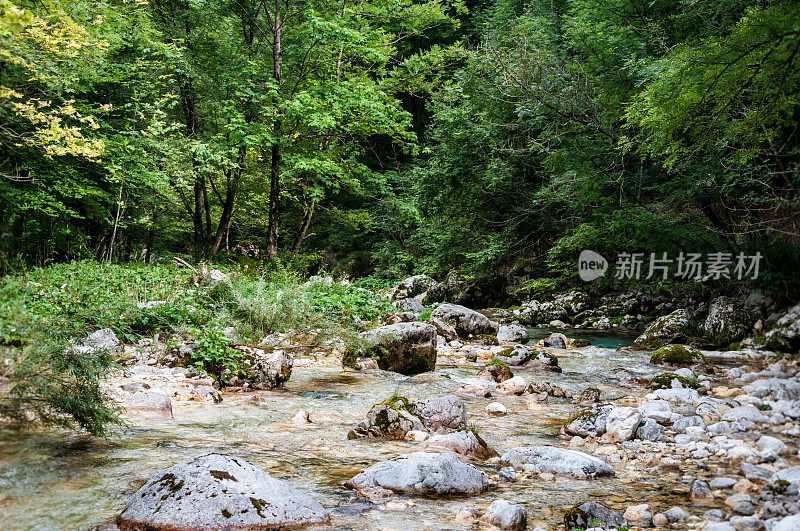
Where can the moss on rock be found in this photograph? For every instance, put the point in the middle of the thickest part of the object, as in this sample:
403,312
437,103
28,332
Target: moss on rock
664,381
677,355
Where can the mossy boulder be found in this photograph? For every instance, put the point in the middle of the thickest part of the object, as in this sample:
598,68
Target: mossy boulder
496,370
785,335
406,348
665,381
666,329
590,421
465,321
682,355
727,322
516,355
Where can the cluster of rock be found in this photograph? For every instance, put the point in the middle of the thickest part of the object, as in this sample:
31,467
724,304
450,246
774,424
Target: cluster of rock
744,426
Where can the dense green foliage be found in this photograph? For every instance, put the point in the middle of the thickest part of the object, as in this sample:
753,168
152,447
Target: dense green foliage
398,137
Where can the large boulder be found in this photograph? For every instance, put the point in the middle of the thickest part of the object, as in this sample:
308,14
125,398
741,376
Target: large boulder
413,287
512,333
216,491
466,322
680,355
395,417
440,412
103,340
423,473
666,329
727,322
588,422
407,348
785,335
622,423
386,421
266,369
540,459
775,388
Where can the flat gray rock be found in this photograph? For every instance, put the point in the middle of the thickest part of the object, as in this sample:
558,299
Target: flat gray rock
538,459
216,491
423,473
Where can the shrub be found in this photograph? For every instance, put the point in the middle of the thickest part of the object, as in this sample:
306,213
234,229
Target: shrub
213,355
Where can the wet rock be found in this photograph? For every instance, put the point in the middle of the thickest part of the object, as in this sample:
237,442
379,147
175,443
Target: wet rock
677,396
149,403
423,473
681,424
747,523
622,423
755,473
539,459
785,336
516,355
722,483
548,389
464,442
386,421
719,526
650,430
778,499
512,386
543,360
700,491
658,410
216,491
740,504
507,474
496,409
444,329
266,369
446,412
744,413
406,348
727,321
506,515
676,515
582,514
665,329
496,371
466,322
776,388
588,422
472,391
512,334
557,340
417,435
639,515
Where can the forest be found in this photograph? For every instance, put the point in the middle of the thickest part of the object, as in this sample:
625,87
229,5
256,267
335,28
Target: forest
389,138
400,264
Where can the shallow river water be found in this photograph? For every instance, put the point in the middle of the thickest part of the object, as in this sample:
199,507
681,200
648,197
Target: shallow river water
52,480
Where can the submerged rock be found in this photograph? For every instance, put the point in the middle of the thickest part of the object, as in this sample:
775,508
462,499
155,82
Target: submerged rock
539,459
216,491
407,348
149,403
466,322
423,473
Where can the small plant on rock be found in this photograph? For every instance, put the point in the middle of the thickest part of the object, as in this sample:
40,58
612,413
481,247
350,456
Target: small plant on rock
213,354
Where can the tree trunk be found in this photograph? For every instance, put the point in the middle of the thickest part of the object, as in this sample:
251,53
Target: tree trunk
116,225
308,211
277,150
227,206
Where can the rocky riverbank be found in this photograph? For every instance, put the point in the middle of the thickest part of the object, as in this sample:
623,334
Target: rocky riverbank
478,423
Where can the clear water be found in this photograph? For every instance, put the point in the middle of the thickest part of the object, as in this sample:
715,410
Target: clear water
58,480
